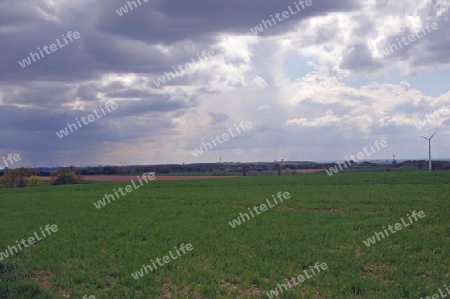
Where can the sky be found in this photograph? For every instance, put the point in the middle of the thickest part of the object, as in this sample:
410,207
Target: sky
294,80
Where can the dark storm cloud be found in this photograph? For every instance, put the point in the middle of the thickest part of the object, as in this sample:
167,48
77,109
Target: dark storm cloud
20,13
106,43
436,44
358,58
33,129
168,21
144,107
15,118
48,96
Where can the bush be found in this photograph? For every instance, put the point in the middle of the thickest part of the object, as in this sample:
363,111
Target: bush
16,178
34,181
65,177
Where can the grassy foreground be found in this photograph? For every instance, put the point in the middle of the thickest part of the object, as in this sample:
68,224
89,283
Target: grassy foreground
95,251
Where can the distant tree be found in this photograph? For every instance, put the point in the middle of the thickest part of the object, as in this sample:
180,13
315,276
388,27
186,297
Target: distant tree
162,169
34,181
16,178
278,168
394,163
42,173
287,171
65,176
245,169
292,166
9,179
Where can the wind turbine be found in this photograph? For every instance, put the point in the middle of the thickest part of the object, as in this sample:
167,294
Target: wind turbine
429,148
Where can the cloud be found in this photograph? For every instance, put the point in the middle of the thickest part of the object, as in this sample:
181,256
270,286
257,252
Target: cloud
249,78
218,118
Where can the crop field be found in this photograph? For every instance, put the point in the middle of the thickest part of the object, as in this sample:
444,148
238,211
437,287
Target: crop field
100,252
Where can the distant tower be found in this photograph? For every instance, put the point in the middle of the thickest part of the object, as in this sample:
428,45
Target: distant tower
394,162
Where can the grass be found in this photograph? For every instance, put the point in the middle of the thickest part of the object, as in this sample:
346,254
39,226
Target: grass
326,220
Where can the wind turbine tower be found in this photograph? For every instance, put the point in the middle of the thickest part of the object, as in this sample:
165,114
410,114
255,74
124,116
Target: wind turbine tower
429,148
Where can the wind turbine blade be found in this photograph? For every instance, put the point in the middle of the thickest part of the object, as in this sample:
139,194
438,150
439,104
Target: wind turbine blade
424,137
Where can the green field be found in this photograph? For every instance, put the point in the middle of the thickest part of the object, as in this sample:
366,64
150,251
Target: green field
95,251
